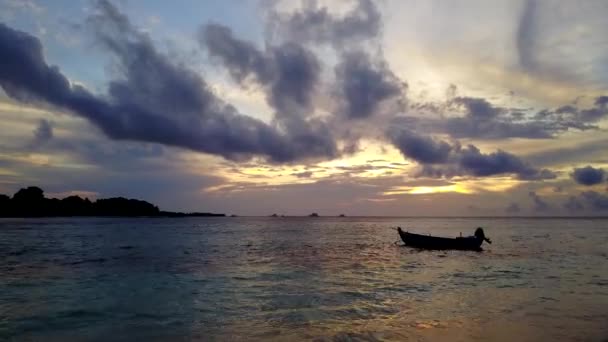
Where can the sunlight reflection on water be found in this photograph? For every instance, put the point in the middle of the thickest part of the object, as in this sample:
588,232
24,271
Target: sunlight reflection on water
300,279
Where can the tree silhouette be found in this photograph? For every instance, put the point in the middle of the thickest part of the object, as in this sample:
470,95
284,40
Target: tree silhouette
30,202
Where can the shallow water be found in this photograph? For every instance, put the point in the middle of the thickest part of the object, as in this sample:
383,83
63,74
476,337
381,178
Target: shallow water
334,279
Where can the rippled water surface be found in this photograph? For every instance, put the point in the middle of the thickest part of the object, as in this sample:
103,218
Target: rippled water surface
300,279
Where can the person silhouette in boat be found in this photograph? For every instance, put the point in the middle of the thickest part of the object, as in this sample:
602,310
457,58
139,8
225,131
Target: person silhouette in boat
480,235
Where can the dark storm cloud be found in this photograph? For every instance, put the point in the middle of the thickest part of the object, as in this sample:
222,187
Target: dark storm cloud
316,24
155,100
588,175
365,84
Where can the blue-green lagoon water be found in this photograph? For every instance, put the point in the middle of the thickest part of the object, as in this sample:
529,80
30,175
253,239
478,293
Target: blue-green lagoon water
289,279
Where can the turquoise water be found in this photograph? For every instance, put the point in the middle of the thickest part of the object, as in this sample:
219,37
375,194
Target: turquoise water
334,279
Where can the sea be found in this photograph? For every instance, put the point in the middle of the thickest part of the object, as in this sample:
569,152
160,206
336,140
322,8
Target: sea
301,279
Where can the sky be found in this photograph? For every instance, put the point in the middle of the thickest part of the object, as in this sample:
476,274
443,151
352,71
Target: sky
355,107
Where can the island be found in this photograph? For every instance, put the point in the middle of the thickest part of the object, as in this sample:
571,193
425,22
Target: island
313,215
31,202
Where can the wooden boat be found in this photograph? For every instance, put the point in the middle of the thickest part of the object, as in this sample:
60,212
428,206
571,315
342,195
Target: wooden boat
470,243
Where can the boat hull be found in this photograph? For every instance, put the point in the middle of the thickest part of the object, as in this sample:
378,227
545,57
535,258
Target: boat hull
440,243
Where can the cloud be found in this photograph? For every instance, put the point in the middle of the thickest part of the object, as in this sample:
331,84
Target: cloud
480,119
24,74
422,149
588,175
571,116
588,200
499,162
364,84
601,101
317,24
596,113
478,108
288,74
494,129
573,204
241,58
526,36
112,168
594,200
540,205
562,155
296,75
363,81
155,99
513,208
486,121
303,174
349,195
441,159
43,133
25,5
